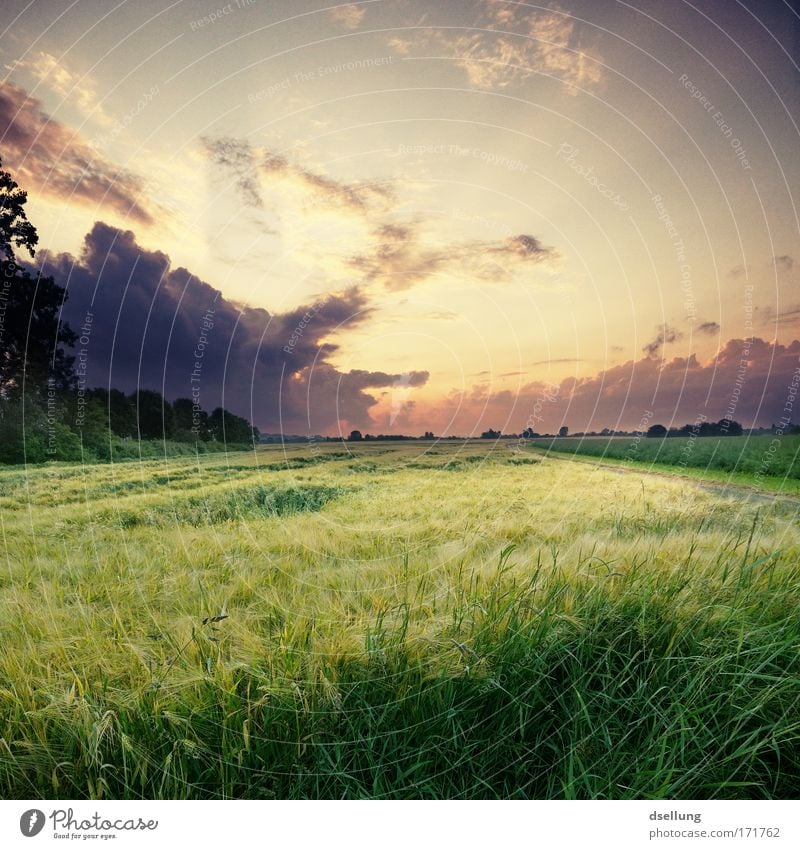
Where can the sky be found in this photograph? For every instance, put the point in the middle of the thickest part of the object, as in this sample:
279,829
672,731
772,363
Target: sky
404,216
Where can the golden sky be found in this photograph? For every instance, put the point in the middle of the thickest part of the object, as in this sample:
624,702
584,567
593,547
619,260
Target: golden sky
476,200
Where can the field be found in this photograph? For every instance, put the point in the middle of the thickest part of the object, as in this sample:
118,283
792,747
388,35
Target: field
395,620
770,461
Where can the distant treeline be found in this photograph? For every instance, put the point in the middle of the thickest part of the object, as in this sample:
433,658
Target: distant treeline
724,427
46,412
101,424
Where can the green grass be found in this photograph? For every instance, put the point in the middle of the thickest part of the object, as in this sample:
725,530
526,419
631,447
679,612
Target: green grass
372,626
767,461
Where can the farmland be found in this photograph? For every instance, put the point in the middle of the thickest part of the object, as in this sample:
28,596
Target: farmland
395,620
768,461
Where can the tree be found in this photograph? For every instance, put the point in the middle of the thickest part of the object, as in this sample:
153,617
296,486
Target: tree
191,422
729,427
656,431
355,436
229,428
153,414
490,434
31,333
15,229
563,431
118,410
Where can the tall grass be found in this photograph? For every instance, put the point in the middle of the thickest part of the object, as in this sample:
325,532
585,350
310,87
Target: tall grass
646,647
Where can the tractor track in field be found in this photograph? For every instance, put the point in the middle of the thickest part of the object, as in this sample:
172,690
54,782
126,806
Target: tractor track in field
725,489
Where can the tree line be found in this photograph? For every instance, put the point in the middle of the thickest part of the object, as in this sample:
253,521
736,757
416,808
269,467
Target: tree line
44,413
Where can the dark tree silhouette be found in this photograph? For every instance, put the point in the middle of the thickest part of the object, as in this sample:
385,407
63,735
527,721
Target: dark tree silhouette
15,229
230,428
656,431
31,335
355,436
153,414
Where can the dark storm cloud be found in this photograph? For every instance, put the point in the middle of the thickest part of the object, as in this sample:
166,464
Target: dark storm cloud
56,161
753,377
709,327
162,328
752,380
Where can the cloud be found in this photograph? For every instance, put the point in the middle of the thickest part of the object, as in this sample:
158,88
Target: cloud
236,157
709,327
53,73
665,336
510,43
55,161
400,46
348,16
783,263
788,316
392,253
752,380
358,197
251,167
399,257
163,328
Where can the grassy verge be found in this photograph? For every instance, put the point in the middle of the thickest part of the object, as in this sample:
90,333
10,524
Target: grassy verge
782,483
